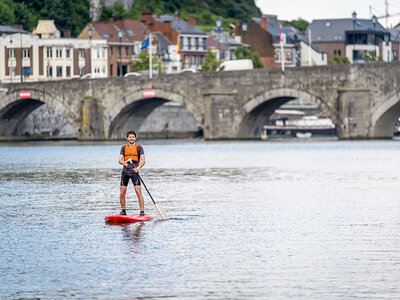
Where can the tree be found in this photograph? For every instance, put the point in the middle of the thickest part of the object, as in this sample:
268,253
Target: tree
117,11
143,63
370,56
244,53
210,62
300,24
337,59
7,16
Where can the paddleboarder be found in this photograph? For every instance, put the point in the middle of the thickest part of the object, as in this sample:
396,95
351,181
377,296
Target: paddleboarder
132,158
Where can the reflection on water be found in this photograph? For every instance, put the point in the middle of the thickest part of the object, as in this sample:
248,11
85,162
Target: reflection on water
283,219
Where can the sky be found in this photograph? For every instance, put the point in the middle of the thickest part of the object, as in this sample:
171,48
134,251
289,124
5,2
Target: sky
329,9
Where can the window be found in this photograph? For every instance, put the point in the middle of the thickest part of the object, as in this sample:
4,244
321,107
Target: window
59,71
126,52
201,60
133,50
12,53
81,71
186,60
339,52
103,52
81,53
49,52
277,56
181,42
334,52
98,53
26,53
119,52
49,71
204,44
67,52
111,70
103,70
68,72
394,55
111,52
59,52
196,43
288,56
194,60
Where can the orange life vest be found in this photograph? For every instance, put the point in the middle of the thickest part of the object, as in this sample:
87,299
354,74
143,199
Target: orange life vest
131,153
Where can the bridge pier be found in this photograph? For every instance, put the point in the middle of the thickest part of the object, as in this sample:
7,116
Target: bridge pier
91,127
219,116
354,119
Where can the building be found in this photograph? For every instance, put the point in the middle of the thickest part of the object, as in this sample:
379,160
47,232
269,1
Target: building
226,44
46,29
39,59
353,38
167,53
263,36
191,40
124,38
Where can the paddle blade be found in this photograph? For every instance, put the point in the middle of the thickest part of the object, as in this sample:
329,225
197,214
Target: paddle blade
161,214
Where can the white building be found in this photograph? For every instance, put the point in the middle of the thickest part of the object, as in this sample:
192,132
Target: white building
50,59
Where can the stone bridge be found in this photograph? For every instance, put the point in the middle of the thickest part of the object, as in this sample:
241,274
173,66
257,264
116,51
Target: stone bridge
362,100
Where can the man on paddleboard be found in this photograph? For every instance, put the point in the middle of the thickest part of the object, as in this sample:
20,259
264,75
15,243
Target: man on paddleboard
132,158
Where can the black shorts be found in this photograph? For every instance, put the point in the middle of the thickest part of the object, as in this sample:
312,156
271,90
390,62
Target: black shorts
125,176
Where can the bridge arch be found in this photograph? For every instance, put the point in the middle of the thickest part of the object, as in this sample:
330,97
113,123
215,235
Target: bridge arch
14,110
261,106
132,109
384,116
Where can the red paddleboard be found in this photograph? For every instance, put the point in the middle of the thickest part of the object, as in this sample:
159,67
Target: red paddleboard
127,218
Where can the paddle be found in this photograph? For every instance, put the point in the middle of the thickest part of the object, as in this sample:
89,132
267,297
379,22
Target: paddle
161,214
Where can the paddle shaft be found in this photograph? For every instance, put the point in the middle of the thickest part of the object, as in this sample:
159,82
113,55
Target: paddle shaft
146,188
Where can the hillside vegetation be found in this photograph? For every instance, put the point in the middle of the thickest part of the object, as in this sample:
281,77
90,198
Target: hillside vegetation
74,14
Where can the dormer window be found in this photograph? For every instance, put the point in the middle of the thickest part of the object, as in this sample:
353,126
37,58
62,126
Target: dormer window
328,24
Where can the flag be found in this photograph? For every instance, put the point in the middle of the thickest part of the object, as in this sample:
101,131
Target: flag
145,44
178,48
280,35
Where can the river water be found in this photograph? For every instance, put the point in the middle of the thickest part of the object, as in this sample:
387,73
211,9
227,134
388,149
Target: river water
252,219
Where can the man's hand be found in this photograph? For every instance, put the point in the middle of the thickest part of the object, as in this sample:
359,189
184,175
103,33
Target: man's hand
136,169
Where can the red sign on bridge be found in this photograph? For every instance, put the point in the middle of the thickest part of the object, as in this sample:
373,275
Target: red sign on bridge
24,94
149,93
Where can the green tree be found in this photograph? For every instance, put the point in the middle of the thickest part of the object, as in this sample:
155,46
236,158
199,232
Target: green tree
117,11
300,24
210,62
143,63
244,53
7,16
337,59
370,56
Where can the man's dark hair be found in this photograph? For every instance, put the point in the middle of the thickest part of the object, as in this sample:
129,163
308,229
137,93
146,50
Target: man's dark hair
131,132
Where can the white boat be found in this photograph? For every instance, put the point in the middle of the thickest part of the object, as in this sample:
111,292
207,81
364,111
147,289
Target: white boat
303,135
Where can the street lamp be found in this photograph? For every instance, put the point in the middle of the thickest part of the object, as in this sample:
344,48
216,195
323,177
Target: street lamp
354,16
219,24
90,31
374,20
244,29
120,35
22,79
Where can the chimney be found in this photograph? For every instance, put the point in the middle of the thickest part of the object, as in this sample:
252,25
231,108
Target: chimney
67,33
177,15
192,21
146,18
264,23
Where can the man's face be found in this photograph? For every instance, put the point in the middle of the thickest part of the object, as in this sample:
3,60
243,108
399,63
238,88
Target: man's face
131,138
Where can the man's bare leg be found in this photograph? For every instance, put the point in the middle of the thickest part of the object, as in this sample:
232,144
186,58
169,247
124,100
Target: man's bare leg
122,197
138,191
